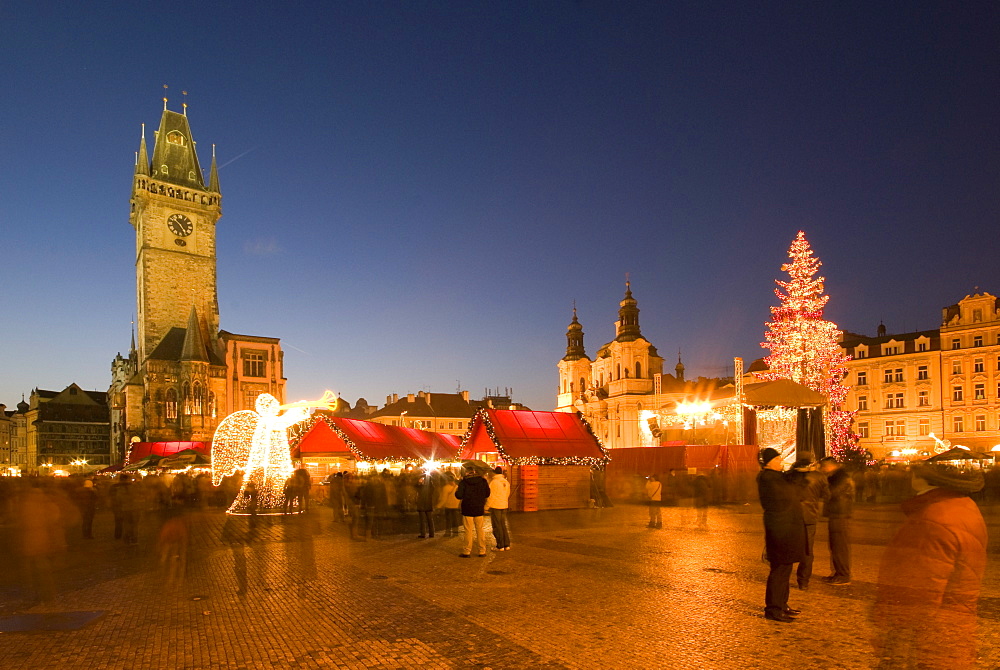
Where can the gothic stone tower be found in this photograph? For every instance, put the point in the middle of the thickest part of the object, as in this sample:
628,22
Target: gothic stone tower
171,386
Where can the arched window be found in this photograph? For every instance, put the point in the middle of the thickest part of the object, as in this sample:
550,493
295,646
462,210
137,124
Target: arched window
583,384
638,370
197,399
618,371
626,372
186,398
211,404
602,379
171,405
571,387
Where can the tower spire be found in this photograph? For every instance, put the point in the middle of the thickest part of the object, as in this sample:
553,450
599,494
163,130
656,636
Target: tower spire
194,345
142,157
628,317
574,339
213,174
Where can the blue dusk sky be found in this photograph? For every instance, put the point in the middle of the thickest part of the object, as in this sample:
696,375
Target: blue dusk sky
415,193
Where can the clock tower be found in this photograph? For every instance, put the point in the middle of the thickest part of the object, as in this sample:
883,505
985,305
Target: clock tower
184,375
174,215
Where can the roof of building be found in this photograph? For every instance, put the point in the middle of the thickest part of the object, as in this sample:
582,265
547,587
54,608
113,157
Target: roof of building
374,442
171,348
529,437
430,404
175,149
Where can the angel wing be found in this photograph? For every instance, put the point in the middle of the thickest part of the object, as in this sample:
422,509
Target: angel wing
231,443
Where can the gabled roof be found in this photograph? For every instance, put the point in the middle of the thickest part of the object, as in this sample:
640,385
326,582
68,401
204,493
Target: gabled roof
430,404
171,348
529,437
370,441
174,149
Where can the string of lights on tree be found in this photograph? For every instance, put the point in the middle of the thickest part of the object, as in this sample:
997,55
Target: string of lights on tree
805,347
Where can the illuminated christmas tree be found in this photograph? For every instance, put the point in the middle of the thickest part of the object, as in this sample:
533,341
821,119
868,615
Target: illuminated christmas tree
805,347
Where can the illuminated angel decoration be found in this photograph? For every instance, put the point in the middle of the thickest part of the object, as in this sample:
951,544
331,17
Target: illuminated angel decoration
256,442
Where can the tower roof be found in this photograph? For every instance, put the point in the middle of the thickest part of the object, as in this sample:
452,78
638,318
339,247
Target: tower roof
142,158
213,175
628,317
574,340
174,157
194,345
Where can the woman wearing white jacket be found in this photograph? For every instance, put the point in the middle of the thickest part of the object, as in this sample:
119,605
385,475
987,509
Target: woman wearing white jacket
497,503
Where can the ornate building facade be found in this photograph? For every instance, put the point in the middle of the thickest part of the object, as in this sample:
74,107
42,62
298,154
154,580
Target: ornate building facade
911,388
624,379
184,375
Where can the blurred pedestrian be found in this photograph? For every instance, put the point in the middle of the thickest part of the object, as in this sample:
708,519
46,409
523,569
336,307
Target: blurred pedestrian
498,503
451,504
654,498
838,510
86,500
473,491
813,491
784,534
702,497
42,534
426,497
930,575
125,508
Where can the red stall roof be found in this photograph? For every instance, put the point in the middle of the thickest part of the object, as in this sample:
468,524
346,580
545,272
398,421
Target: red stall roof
139,450
370,441
524,437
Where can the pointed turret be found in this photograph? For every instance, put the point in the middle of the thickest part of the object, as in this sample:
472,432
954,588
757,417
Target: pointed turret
142,158
574,340
627,328
174,157
213,175
194,345
679,368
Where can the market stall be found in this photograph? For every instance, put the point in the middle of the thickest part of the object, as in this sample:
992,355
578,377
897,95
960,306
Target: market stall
326,444
138,451
548,455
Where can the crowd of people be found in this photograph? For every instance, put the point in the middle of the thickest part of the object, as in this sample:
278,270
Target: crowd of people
929,577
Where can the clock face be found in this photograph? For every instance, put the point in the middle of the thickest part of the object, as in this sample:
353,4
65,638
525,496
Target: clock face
180,225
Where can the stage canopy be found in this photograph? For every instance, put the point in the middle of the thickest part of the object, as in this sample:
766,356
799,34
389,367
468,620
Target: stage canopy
780,393
523,437
140,450
374,442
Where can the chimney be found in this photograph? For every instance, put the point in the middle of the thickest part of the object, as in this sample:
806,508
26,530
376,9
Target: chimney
409,397
465,396
420,394
395,397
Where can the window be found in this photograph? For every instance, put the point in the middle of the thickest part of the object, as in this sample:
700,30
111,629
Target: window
979,365
894,401
979,392
250,398
887,376
924,427
981,422
860,353
638,370
186,398
922,372
897,375
451,425
958,424
956,343
956,394
618,372
921,346
977,341
862,403
956,367
583,384
171,405
895,429
254,364
196,399
863,429
977,316
923,398
863,376
890,351
460,425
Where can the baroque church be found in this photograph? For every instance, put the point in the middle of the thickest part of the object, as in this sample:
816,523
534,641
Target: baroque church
183,375
617,390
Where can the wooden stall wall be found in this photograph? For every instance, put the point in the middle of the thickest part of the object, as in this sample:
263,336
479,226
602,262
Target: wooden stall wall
542,487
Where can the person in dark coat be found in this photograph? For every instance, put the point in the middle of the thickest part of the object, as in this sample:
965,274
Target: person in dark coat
473,491
427,493
838,510
814,491
784,534
86,500
931,574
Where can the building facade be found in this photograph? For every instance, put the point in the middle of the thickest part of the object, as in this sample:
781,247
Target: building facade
619,389
450,413
67,431
913,391
183,375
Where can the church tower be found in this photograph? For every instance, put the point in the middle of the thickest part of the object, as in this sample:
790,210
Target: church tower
574,368
174,215
184,375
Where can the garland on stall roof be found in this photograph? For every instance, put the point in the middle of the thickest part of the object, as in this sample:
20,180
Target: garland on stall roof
589,461
302,429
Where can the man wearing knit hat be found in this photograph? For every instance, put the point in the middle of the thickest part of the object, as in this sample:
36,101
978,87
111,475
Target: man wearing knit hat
784,534
930,574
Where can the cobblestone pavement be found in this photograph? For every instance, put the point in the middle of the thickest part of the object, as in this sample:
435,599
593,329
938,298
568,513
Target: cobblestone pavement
579,589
